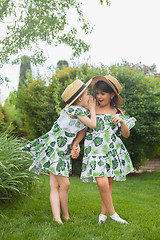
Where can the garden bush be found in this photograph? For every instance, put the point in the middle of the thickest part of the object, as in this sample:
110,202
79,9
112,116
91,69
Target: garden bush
40,105
15,179
141,99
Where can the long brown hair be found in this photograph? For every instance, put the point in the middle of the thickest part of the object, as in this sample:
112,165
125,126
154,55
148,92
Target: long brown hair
104,87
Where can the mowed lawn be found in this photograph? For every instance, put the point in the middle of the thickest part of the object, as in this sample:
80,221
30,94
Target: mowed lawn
137,200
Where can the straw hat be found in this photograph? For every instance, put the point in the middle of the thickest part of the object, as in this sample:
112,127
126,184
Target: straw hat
113,83
74,90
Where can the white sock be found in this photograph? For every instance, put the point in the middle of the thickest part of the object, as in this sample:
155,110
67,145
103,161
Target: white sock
117,218
102,218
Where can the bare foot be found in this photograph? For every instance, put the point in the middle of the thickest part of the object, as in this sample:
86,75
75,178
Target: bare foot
66,217
58,221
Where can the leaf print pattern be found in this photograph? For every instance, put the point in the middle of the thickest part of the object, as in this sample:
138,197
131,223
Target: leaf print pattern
111,145
107,166
107,118
94,151
90,130
93,164
55,127
106,136
105,149
52,150
84,166
100,163
61,141
105,153
34,143
98,141
49,151
87,150
47,164
78,112
44,136
113,137
89,137
113,152
69,134
72,122
115,164
100,124
113,126
61,165
60,153
70,109
77,124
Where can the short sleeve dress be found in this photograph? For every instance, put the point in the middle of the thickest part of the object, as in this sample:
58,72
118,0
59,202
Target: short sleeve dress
104,151
52,151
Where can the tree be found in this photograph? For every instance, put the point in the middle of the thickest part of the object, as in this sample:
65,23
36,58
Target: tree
25,68
30,22
35,21
62,63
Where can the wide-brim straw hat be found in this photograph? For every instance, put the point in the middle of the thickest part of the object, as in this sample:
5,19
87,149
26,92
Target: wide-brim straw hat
113,83
74,90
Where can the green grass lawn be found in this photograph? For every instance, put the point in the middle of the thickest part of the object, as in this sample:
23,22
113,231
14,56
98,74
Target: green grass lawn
137,200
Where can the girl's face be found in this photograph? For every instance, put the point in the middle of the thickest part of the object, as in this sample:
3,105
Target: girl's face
84,99
103,98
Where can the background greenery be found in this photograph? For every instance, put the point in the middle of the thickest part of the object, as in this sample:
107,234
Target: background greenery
15,179
33,108
137,200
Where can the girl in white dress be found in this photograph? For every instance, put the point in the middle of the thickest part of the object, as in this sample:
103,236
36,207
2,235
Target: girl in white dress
105,156
52,151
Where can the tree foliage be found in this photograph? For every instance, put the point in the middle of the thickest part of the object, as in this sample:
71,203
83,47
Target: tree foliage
25,68
32,21
62,63
26,24
40,106
141,96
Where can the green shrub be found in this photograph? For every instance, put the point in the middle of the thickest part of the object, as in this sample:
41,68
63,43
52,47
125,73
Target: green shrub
15,179
39,106
141,99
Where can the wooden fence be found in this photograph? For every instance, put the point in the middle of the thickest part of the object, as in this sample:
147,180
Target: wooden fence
152,165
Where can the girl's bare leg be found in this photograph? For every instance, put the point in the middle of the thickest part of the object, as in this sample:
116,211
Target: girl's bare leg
54,198
63,195
103,207
59,186
104,189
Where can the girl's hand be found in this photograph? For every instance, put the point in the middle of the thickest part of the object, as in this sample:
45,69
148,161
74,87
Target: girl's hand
75,151
116,119
91,103
124,128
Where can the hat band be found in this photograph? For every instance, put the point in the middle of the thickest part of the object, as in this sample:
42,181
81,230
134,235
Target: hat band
76,94
114,86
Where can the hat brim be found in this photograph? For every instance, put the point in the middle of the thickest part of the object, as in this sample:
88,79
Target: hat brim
102,78
87,84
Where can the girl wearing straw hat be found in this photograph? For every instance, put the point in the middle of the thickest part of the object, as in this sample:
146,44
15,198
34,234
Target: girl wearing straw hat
105,156
52,151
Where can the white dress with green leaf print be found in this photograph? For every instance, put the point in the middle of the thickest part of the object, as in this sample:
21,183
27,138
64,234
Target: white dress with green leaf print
52,150
104,151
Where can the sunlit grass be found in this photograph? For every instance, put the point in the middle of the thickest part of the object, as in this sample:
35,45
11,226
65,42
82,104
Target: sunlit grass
137,200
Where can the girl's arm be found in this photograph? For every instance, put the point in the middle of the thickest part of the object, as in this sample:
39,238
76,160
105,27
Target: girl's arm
124,128
90,122
75,145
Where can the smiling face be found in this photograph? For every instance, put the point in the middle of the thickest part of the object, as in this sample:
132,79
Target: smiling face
103,98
